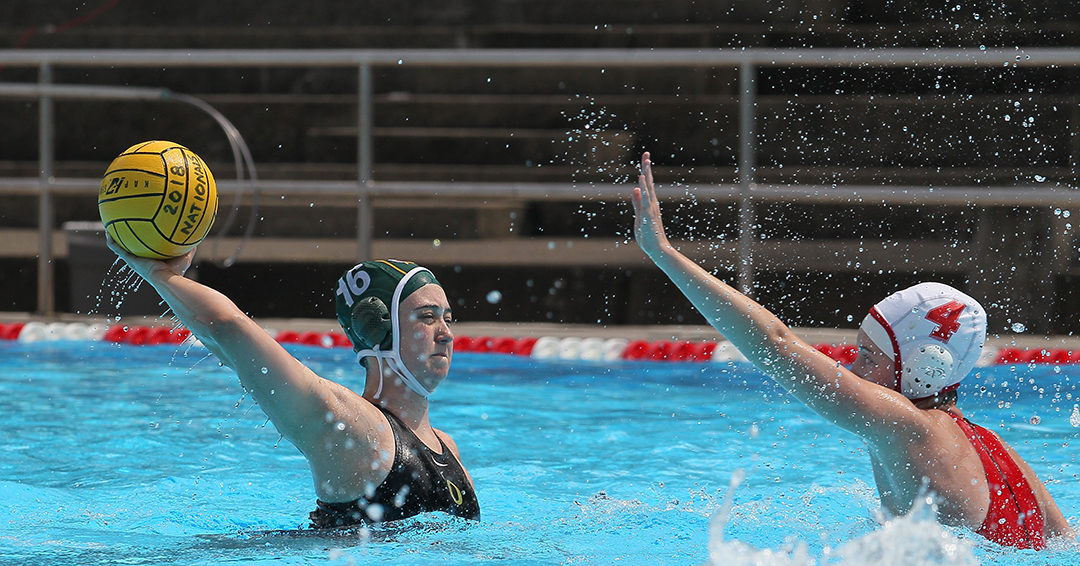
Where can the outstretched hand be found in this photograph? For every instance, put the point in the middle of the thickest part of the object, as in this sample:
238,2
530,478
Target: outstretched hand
146,267
648,227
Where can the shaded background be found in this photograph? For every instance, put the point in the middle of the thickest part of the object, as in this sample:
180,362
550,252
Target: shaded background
961,127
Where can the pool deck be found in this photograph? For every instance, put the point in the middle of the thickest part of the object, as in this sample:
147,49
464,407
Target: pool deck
519,330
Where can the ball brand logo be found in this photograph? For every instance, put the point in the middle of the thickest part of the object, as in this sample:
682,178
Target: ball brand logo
352,285
114,186
117,183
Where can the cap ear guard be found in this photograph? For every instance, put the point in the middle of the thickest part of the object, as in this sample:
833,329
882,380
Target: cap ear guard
927,369
371,323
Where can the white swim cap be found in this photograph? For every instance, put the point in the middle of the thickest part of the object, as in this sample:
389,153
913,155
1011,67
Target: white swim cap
933,333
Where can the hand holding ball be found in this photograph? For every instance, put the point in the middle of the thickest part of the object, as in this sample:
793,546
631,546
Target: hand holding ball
158,200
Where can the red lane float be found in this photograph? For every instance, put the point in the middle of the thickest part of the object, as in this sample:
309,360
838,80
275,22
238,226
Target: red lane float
1008,356
659,350
482,344
11,331
312,339
146,335
138,336
116,333
493,345
548,347
287,337
504,345
636,350
178,335
523,347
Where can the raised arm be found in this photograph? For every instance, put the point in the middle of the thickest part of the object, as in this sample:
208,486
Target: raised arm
818,381
293,396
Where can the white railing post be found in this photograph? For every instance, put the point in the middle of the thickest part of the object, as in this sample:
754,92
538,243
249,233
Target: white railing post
365,214
747,162
46,298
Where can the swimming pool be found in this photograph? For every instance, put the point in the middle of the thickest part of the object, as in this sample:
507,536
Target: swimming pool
151,455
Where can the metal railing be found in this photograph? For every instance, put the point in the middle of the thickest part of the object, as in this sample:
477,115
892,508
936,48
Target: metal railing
746,191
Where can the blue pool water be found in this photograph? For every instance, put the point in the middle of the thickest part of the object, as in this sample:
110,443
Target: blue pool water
151,455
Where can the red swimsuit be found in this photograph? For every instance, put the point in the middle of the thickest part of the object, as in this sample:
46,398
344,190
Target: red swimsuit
1014,517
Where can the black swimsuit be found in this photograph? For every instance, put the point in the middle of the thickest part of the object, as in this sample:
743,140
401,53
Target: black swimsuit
419,481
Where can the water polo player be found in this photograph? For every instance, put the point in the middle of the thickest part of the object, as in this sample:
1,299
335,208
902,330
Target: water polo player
374,457
900,395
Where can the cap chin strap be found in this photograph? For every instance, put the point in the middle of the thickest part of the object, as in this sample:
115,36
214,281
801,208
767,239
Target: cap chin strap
393,357
396,367
879,332
874,328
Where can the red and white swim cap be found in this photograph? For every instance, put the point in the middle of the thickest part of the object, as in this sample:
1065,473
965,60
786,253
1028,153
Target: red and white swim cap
933,333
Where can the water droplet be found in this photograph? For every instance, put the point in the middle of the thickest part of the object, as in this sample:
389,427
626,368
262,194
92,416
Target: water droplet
1074,418
1018,327
1035,419
265,371
375,512
494,297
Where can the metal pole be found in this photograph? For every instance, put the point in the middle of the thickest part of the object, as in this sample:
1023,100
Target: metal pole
747,160
46,300
365,215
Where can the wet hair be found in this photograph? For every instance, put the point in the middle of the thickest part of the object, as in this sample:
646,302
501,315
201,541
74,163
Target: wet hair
942,399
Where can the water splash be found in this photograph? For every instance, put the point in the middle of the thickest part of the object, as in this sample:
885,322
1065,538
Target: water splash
735,553
111,281
914,539
118,283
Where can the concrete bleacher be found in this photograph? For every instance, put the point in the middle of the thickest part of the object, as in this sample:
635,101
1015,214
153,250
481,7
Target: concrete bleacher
504,125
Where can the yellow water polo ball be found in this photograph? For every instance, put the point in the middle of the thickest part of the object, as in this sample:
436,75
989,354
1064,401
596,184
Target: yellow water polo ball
158,199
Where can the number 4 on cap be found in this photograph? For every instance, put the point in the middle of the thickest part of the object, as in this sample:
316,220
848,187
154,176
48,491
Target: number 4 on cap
947,319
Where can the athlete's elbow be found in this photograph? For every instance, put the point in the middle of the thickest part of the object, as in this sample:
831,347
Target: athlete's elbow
779,339
219,328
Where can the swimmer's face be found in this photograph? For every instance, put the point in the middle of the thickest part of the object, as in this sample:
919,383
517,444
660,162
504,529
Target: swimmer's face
427,345
872,364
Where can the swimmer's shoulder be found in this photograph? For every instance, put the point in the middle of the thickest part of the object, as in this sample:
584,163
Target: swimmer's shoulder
448,441
344,411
